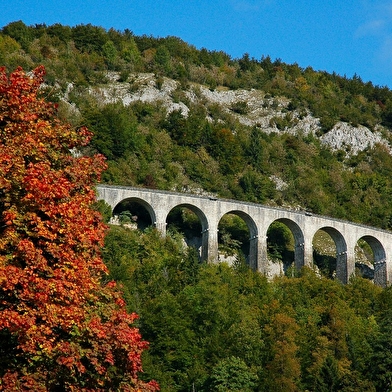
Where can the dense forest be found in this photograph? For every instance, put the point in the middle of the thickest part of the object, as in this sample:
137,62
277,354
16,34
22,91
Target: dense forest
219,327
213,327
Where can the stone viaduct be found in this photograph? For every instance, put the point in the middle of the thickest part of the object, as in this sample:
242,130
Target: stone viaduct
258,219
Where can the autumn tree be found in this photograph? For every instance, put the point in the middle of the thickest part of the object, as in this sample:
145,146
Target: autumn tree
61,327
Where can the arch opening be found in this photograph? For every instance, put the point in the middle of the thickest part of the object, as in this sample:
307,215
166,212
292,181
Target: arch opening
237,233
185,221
286,239
191,223
370,260
284,247
324,254
133,213
330,254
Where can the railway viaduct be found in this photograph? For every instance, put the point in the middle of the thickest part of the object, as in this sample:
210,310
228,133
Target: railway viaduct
258,219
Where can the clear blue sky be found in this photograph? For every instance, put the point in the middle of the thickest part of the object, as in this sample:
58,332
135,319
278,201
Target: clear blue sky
346,36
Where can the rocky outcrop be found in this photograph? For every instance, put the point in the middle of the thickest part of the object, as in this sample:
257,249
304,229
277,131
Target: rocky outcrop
352,139
269,114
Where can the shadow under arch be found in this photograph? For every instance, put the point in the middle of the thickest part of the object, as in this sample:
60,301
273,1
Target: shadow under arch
251,258
136,211
379,259
204,226
341,253
299,241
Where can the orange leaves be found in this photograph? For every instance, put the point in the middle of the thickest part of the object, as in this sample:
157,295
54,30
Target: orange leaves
14,321
9,277
43,183
65,328
9,216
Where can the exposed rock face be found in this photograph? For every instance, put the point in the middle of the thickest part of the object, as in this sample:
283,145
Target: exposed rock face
267,113
352,139
279,183
142,87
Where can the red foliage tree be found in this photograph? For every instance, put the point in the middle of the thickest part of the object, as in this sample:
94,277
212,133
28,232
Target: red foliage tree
61,328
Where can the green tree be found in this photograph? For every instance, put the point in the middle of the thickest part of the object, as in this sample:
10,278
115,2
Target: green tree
162,58
381,370
233,375
20,32
89,38
8,45
115,130
130,52
110,53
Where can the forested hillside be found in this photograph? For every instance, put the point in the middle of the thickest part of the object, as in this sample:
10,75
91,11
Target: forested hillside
200,145
170,116
213,327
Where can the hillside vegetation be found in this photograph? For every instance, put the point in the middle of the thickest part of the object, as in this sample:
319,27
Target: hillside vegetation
170,116
217,328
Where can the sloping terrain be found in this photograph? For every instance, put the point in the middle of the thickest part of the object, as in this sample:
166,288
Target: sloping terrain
250,107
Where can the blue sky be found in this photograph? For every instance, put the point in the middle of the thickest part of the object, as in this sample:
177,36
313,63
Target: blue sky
346,36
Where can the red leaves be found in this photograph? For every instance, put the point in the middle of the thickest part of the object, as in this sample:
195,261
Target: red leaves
67,328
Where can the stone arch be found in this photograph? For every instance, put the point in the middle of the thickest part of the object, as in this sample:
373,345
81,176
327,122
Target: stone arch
204,226
299,241
379,259
138,208
253,235
341,252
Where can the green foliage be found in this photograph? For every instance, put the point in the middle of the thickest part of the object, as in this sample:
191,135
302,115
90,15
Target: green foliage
20,33
257,187
233,235
89,38
280,243
8,45
162,58
110,54
104,209
114,128
215,327
328,96
232,374
240,107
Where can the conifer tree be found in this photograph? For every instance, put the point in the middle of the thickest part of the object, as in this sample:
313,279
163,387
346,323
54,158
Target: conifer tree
61,327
